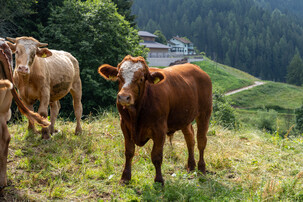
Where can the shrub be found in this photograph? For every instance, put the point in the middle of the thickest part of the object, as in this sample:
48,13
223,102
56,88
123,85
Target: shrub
223,112
299,119
267,120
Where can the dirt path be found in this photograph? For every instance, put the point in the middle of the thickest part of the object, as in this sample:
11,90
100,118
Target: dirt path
257,83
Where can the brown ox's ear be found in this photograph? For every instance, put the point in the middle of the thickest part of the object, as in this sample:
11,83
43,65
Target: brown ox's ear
156,77
11,46
43,52
108,72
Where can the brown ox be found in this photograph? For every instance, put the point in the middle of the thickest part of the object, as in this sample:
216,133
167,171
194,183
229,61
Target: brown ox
7,92
46,75
155,102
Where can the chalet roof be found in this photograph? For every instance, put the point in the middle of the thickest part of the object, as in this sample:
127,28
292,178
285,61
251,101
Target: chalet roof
185,41
154,45
144,33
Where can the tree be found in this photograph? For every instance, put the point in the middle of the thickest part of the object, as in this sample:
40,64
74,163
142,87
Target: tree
160,37
295,70
95,34
124,8
11,10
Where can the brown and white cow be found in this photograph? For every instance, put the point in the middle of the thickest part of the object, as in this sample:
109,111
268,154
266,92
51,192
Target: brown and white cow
153,103
7,92
46,75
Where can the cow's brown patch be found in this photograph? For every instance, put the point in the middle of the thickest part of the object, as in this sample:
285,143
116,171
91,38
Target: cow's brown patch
61,87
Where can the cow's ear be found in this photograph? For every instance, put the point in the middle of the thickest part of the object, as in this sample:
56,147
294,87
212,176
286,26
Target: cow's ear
11,46
156,77
43,52
108,72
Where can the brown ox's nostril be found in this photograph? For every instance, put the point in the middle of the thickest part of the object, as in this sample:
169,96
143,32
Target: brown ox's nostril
124,98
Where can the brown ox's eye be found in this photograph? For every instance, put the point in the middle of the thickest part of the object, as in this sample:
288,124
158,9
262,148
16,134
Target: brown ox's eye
142,79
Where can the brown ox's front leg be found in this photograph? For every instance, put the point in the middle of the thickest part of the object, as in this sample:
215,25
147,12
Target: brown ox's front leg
43,111
4,142
129,154
157,155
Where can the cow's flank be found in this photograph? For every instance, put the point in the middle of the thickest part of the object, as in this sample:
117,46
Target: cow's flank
153,103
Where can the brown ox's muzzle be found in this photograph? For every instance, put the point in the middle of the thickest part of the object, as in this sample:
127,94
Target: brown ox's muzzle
124,98
23,69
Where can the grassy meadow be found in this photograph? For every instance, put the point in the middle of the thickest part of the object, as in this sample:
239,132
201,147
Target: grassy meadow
244,163
241,165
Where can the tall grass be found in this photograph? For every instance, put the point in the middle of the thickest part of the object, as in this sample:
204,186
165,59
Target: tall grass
241,165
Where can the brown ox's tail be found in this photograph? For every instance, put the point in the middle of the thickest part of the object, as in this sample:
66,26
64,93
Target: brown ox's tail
32,116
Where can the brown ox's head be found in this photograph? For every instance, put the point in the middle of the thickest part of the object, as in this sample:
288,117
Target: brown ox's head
132,74
26,49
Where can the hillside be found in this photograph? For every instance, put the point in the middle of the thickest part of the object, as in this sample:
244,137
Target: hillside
225,77
238,33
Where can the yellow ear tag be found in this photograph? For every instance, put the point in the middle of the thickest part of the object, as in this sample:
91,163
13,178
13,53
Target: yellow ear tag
112,78
44,55
157,80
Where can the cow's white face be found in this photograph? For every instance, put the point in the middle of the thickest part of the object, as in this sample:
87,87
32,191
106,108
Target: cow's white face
26,49
25,55
133,75
131,82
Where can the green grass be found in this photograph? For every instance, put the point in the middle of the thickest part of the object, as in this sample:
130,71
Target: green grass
245,165
227,78
272,95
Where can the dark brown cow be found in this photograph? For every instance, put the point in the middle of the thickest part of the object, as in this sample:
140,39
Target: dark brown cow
46,75
7,92
155,102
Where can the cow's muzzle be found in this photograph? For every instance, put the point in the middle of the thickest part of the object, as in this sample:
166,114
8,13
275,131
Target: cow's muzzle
23,69
124,99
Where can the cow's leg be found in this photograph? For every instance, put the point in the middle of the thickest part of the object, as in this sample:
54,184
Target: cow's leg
54,111
190,141
202,124
76,92
43,111
129,154
4,142
31,124
157,156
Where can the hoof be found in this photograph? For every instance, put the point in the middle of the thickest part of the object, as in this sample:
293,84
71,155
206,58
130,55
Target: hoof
124,182
159,180
78,131
45,134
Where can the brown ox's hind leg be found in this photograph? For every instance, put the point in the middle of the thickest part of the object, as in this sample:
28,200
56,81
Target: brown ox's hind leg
202,124
54,111
76,92
4,142
188,132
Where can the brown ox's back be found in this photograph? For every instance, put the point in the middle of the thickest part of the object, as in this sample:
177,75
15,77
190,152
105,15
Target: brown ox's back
185,93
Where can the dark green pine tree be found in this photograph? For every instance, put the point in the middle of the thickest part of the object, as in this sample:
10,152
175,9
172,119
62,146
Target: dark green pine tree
295,70
124,9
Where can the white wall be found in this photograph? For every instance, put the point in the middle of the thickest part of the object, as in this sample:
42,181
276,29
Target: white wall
154,62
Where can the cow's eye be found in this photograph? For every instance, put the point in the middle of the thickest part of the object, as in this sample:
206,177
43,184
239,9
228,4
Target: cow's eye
17,52
141,79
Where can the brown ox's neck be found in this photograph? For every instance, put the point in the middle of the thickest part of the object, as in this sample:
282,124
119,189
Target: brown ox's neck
130,115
